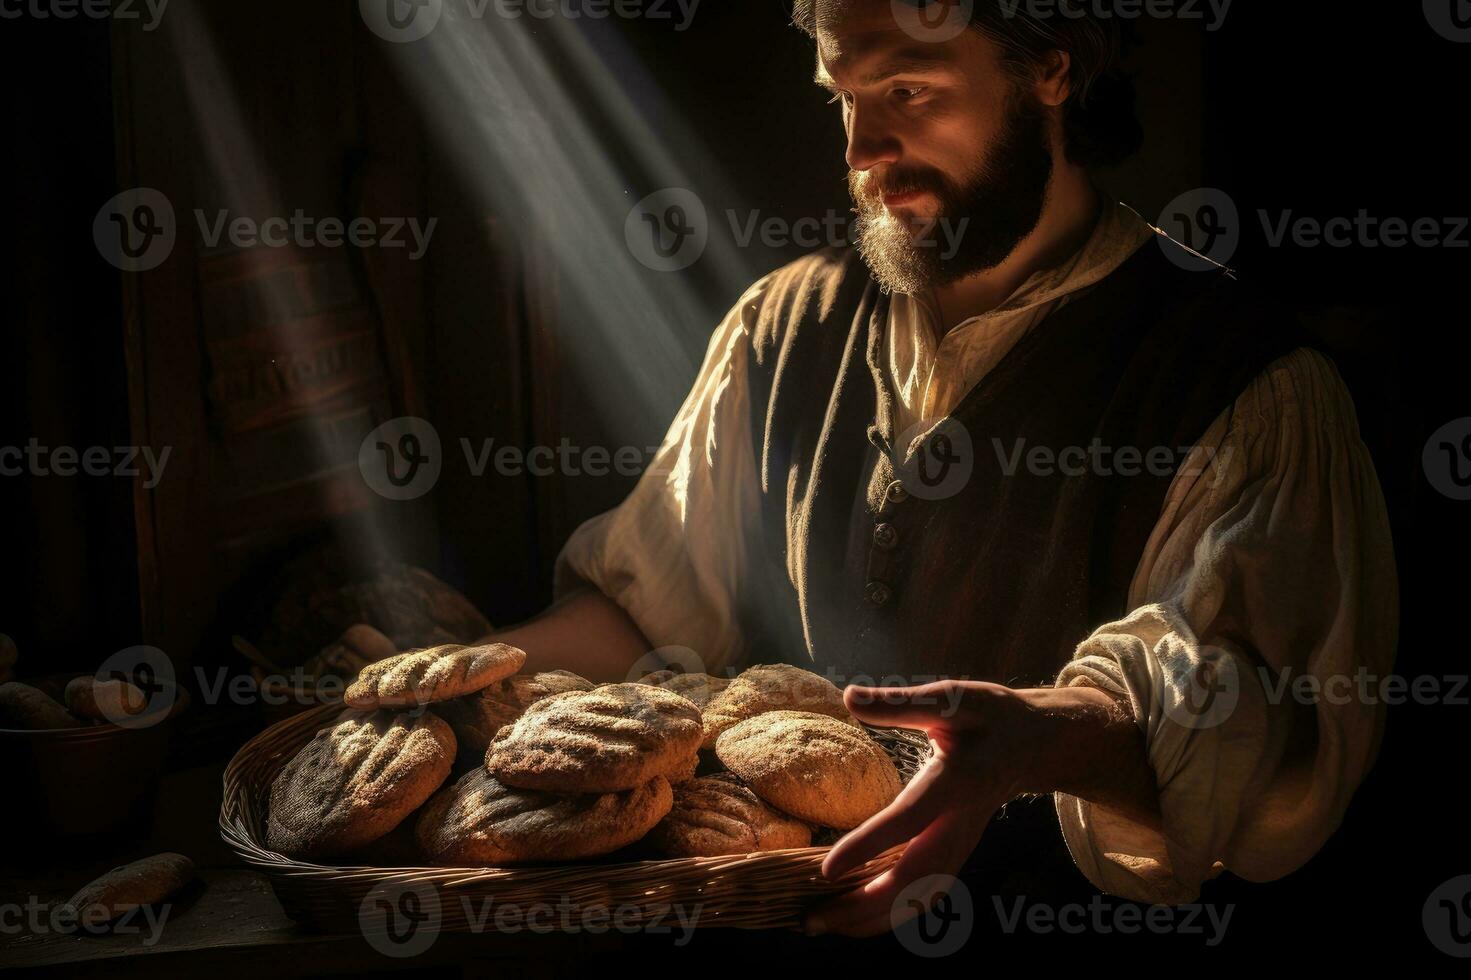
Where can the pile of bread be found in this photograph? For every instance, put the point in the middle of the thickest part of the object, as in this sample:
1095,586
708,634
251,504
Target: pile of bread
554,768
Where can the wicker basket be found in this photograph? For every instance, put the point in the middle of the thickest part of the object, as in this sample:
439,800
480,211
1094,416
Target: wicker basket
764,890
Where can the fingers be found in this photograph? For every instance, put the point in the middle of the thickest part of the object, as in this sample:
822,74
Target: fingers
940,849
915,808
921,706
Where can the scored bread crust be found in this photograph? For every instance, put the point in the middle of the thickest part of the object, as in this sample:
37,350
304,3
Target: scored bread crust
716,815
612,738
439,673
771,687
699,688
356,780
482,821
811,766
477,717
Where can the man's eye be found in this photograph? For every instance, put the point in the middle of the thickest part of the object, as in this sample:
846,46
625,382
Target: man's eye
908,94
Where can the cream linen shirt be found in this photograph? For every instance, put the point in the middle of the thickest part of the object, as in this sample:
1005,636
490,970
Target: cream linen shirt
1273,560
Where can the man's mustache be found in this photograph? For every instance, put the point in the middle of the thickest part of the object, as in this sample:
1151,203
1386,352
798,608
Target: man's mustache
865,185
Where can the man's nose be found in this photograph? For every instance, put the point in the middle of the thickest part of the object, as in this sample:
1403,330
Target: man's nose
869,143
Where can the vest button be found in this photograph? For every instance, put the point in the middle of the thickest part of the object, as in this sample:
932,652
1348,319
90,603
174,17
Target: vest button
885,536
897,493
877,593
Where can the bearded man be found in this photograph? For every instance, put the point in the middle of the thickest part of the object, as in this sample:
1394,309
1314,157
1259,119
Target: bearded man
1021,472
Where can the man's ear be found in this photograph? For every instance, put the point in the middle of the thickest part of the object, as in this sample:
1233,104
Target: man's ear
1054,79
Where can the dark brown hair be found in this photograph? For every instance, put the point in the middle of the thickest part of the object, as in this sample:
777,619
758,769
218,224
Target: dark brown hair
1100,127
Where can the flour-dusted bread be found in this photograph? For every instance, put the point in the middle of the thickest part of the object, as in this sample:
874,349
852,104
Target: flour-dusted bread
612,738
699,688
26,707
811,766
148,881
717,814
771,687
356,780
439,673
477,717
110,700
481,821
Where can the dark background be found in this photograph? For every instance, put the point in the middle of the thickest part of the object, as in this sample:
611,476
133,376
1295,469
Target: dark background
1284,108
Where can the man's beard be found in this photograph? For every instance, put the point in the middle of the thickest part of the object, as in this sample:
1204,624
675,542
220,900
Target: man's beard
978,223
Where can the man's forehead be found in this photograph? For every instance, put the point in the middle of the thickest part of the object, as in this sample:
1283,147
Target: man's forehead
856,32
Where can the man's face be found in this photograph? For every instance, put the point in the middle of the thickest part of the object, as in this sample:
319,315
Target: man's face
942,142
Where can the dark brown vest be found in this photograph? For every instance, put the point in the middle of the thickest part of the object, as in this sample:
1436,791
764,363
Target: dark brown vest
969,555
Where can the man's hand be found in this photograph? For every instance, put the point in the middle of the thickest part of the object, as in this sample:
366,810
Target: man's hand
991,744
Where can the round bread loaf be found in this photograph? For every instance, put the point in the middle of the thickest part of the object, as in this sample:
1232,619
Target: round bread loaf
771,687
699,688
811,766
144,882
26,707
715,815
88,697
477,717
435,674
356,780
612,738
481,821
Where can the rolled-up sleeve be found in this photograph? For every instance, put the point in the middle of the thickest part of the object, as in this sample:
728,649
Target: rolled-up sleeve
1264,615
671,554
